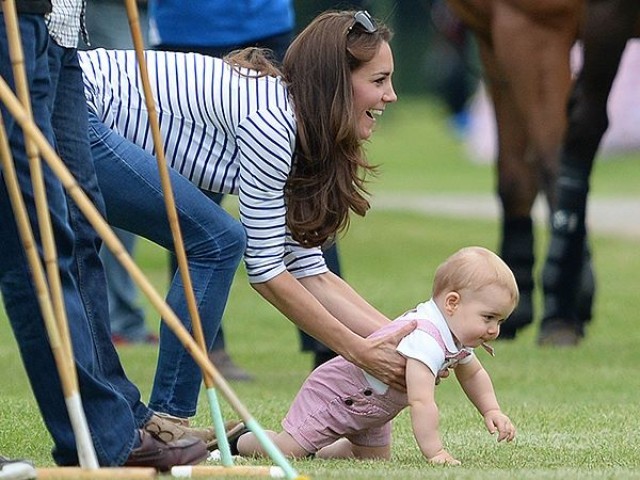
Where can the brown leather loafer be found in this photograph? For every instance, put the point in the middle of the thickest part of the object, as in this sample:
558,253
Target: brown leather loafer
170,428
155,452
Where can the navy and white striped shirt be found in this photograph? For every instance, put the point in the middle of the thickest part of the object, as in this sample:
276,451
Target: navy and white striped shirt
224,131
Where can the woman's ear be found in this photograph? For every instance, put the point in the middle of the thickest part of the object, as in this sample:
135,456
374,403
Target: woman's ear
451,302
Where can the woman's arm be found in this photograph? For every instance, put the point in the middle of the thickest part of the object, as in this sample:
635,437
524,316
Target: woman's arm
344,303
328,309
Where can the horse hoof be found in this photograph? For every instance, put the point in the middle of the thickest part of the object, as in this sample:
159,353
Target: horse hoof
559,333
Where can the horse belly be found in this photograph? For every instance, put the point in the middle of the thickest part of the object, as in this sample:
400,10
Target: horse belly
475,14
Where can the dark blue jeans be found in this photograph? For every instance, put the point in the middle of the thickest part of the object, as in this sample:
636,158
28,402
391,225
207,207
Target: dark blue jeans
108,411
126,314
214,243
70,125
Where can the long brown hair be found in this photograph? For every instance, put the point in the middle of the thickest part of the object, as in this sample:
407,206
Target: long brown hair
260,60
329,169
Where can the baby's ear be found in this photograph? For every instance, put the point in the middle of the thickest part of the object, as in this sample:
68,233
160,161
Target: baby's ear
451,302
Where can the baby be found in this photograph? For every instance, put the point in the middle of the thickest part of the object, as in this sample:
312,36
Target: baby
343,412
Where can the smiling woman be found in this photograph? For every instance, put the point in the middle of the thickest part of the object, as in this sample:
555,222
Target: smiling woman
372,89
336,71
289,142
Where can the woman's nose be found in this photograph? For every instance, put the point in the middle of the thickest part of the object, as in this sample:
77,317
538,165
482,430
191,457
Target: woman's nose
390,95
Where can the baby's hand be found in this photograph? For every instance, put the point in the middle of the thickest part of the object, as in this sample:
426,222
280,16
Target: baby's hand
496,421
443,458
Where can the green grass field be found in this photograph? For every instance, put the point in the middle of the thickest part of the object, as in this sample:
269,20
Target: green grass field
576,410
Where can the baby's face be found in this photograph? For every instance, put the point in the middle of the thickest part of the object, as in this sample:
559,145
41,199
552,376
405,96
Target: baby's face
478,314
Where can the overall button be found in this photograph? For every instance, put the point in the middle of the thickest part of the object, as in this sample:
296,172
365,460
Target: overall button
348,402
367,392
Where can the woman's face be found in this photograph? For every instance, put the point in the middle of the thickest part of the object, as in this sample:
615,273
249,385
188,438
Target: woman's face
372,89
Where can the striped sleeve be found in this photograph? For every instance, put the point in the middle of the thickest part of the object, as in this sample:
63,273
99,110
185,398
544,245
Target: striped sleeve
266,140
225,131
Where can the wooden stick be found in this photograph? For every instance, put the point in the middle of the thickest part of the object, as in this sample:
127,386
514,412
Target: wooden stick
114,244
65,362
163,170
69,473
174,224
199,471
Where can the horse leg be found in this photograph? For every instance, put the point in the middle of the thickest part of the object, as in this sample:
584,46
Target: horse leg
517,189
567,277
530,61
532,42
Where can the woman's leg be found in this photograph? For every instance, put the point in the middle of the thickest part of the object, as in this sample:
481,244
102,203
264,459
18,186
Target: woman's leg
214,243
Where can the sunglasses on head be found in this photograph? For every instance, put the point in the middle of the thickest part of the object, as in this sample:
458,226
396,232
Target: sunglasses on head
364,20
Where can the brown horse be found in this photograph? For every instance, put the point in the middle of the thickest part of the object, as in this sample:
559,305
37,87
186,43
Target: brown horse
525,48
608,26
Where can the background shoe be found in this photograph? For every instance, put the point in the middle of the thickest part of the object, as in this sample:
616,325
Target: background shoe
559,333
121,340
16,469
226,366
155,452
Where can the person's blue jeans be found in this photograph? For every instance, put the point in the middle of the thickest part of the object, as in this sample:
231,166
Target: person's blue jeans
113,434
219,343
127,317
70,125
214,242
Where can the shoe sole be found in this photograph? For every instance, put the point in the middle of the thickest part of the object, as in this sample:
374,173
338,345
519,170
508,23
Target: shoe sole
17,471
197,459
232,435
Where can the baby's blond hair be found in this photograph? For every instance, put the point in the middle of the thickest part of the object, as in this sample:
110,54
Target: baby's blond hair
472,268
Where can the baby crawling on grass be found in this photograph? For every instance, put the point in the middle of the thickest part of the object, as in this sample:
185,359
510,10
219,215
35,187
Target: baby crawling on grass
343,412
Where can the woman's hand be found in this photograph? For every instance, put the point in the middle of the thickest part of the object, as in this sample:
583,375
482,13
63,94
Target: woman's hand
380,359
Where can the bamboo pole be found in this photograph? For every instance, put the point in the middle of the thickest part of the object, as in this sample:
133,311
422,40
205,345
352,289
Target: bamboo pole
174,224
66,366
112,242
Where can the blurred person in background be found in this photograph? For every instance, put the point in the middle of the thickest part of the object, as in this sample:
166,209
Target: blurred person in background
127,315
